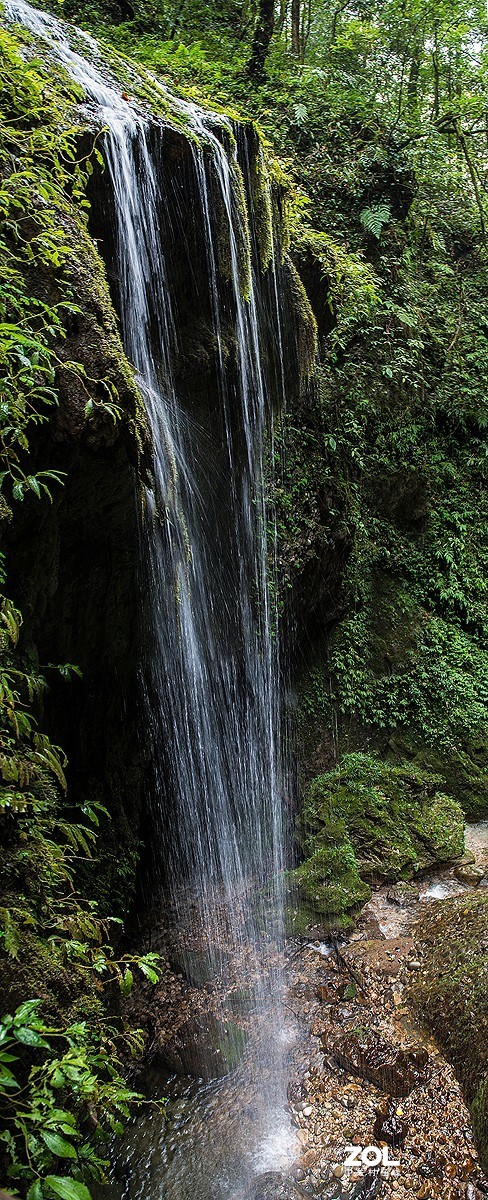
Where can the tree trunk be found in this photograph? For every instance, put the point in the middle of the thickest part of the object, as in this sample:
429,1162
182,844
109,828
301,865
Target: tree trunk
295,27
262,38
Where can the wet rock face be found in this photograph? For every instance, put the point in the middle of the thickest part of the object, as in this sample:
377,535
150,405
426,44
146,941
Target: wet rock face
467,873
73,567
451,993
203,1047
366,1054
368,1187
386,959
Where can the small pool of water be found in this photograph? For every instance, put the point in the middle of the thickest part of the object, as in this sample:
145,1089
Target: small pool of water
211,1141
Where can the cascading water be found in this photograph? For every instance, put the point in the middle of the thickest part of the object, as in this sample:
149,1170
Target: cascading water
210,677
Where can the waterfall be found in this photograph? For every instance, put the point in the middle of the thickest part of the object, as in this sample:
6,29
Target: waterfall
210,675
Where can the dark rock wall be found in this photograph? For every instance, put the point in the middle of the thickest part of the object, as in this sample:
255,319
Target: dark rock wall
75,564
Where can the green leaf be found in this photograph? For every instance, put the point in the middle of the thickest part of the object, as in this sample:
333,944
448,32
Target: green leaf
126,983
149,973
25,1011
373,218
58,1145
35,1191
7,1079
32,482
59,1115
30,1037
67,1189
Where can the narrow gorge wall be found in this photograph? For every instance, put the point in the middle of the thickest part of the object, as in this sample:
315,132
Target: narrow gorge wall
76,565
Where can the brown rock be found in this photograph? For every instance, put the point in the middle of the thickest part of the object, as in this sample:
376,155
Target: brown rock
370,1056
389,1126
386,957
328,995
469,874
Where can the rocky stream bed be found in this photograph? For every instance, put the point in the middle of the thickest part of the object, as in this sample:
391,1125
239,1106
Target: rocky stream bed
364,1078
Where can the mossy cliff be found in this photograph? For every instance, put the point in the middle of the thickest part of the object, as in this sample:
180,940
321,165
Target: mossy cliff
76,459
381,487
451,996
72,557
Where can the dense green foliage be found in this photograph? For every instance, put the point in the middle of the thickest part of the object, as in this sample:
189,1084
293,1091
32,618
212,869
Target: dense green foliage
55,1084
400,414
62,1091
378,114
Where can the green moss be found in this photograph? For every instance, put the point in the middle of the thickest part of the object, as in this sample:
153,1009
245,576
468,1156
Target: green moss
464,770
329,879
240,230
306,324
67,991
368,820
451,995
351,282
405,681
263,208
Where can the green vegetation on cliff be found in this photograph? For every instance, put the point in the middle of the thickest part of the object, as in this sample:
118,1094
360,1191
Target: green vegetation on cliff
62,1091
378,112
451,996
380,115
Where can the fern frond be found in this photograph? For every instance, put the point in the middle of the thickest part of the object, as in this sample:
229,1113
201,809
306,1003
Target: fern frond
374,218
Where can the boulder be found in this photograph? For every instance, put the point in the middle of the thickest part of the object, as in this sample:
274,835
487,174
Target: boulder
363,1052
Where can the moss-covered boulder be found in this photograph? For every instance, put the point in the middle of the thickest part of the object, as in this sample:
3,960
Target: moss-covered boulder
451,996
368,821
328,880
464,770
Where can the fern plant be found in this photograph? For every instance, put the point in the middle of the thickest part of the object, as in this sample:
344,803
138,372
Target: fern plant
374,218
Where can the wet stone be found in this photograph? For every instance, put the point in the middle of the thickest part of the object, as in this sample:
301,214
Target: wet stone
388,1126
473,1193
469,874
386,958
368,1187
403,894
365,1053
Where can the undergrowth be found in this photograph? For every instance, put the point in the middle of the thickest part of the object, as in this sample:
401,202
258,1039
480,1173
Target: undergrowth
62,1086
